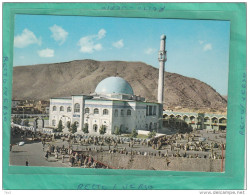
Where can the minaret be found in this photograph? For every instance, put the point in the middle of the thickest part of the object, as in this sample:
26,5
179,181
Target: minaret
162,58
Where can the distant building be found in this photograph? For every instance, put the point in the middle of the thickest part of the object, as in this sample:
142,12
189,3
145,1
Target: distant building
195,120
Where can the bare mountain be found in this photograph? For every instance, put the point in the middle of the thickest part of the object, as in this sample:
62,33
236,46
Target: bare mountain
40,82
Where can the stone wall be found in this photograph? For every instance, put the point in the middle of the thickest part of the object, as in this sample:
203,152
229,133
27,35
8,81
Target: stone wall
122,161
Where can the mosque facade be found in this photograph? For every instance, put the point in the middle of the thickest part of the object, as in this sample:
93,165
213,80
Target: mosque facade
113,105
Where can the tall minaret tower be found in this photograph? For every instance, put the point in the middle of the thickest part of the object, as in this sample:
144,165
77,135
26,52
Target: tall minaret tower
162,58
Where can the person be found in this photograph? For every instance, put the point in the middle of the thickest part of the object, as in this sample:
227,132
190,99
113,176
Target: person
63,158
10,147
46,155
27,163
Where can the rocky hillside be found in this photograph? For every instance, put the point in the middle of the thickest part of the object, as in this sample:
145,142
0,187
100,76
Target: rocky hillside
40,82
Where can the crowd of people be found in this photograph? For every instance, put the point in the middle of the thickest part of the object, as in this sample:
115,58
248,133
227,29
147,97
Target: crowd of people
185,145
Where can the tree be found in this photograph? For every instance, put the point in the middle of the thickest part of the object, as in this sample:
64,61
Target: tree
134,133
60,127
17,120
102,130
85,129
74,127
117,131
26,122
68,124
152,134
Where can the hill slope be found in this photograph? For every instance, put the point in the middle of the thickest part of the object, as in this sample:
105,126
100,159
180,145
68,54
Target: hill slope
40,82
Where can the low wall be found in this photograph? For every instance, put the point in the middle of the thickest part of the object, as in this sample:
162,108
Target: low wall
122,161
143,132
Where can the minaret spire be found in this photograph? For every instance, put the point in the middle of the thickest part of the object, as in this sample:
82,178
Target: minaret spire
162,58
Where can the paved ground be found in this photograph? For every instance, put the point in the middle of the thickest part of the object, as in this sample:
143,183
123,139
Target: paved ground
34,154
33,151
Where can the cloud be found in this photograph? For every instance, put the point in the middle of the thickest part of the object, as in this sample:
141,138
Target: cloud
201,42
46,53
101,33
88,43
207,47
58,34
119,44
150,51
26,38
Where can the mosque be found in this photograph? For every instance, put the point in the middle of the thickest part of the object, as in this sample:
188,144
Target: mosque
113,105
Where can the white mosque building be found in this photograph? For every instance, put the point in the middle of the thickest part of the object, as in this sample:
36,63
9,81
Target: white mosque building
112,105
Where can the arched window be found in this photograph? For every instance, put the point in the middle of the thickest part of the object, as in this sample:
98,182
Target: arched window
122,113
53,122
76,107
128,112
151,126
105,112
96,111
54,108
62,108
95,128
87,110
69,109
116,113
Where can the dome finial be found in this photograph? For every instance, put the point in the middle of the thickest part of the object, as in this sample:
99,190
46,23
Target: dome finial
163,36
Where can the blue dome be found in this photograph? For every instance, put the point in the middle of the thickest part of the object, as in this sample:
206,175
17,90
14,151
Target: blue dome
112,85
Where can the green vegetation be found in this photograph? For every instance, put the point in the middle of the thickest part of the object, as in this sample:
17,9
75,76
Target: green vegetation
117,131
152,134
74,128
102,130
17,120
141,136
60,127
85,129
134,133
68,124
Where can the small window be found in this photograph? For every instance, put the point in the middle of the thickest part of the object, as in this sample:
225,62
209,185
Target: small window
54,108
96,111
116,113
128,112
76,107
122,112
69,109
105,112
87,110
61,108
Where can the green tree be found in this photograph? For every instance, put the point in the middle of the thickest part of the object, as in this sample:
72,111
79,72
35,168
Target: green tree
60,127
117,131
134,133
85,129
26,122
102,130
74,127
68,124
17,120
152,134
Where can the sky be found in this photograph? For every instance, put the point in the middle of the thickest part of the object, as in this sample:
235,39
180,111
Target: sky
195,48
